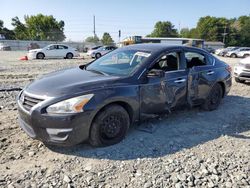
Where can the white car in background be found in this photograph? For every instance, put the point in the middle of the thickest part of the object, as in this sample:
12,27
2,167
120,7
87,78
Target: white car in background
54,51
244,54
242,70
101,51
89,52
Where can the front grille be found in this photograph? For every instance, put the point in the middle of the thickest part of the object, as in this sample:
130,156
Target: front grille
28,102
247,66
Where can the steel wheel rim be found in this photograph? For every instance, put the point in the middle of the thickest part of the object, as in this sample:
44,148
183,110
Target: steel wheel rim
111,127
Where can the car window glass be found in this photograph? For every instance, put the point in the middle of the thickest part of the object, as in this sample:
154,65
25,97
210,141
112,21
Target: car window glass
168,62
194,59
61,47
119,63
52,47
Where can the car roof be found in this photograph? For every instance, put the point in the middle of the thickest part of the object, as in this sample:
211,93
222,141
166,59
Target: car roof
158,47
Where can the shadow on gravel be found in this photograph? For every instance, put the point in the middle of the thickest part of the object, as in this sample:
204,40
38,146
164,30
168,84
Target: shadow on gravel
180,130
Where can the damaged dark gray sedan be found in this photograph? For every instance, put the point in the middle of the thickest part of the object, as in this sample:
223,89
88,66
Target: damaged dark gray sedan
99,101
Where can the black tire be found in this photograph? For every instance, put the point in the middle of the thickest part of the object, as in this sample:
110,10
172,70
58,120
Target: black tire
98,55
245,55
110,126
40,55
233,55
69,56
214,98
239,80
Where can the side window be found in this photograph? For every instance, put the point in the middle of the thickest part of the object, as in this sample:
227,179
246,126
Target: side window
52,47
62,47
195,59
168,62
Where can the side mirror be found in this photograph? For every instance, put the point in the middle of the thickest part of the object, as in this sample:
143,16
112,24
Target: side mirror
156,73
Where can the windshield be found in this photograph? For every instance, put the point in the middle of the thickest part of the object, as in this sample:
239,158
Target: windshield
120,63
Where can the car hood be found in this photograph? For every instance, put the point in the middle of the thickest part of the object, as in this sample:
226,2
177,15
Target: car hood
245,60
36,50
68,81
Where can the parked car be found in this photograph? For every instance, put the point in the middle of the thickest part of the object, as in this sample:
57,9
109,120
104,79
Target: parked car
244,53
99,101
89,52
54,51
101,51
210,50
234,53
4,47
226,50
242,70
217,52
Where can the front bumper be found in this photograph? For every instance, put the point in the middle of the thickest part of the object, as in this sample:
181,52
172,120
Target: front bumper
64,130
242,73
31,55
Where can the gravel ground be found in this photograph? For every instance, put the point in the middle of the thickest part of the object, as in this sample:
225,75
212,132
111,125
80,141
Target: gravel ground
188,148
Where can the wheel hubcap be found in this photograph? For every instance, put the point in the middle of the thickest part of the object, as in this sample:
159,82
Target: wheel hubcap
215,97
111,126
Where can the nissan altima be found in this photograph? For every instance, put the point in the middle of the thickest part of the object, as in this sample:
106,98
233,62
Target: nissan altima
99,101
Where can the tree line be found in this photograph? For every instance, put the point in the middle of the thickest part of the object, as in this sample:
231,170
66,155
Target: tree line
233,32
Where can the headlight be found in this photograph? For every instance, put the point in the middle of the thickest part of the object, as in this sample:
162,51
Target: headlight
73,105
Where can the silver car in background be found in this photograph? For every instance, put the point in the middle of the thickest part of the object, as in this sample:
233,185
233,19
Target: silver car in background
234,53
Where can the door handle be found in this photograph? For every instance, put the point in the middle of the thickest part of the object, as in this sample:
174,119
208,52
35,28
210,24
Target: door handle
180,80
210,72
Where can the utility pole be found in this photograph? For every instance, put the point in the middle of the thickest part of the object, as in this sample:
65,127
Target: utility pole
94,26
119,35
224,34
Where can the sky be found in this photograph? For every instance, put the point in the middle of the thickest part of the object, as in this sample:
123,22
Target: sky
132,17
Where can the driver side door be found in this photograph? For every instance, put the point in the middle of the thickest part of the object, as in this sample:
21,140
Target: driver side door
159,94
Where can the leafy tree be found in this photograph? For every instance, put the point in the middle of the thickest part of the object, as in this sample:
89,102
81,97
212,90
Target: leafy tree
20,30
39,27
185,33
107,39
8,34
164,29
211,28
244,28
94,39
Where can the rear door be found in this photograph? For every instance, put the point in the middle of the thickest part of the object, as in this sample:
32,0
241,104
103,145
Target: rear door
202,75
62,51
160,94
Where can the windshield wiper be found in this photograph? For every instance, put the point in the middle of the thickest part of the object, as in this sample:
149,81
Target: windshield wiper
97,71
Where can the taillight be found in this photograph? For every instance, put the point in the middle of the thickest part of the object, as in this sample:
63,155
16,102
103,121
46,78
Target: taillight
229,69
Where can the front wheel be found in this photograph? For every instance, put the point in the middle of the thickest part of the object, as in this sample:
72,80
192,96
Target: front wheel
239,80
233,55
98,55
110,126
214,98
40,56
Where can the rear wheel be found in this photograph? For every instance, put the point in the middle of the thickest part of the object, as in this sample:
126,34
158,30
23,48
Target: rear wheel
239,80
245,55
214,98
110,126
40,56
69,56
